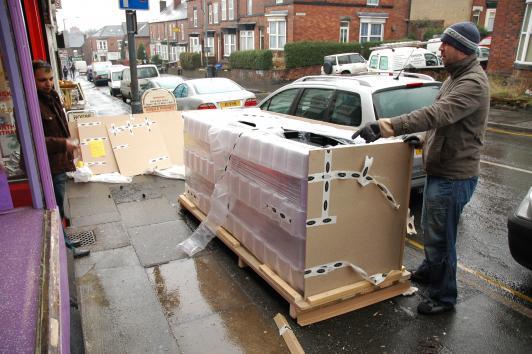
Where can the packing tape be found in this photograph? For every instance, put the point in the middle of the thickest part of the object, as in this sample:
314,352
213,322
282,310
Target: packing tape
122,146
88,140
157,159
97,163
326,177
89,124
323,269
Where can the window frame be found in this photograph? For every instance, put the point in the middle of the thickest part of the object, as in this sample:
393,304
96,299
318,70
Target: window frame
370,23
209,43
209,7
344,29
525,37
244,37
224,9
372,3
195,17
276,23
249,5
229,45
215,16
490,15
231,10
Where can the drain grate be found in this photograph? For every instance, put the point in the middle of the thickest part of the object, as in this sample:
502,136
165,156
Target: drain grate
86,238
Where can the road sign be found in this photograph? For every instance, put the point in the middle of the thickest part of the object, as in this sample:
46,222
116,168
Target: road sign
134,4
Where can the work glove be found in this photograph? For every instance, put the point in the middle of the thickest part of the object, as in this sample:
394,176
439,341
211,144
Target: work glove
370,132
413,140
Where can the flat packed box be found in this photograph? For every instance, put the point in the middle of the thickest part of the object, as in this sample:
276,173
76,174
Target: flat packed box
317,209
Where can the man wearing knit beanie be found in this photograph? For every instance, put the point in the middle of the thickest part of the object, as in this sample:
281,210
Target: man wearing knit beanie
455,125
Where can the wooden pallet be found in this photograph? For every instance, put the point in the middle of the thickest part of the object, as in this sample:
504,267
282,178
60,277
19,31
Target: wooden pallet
317,307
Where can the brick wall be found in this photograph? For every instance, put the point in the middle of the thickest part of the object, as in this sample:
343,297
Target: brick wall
505,36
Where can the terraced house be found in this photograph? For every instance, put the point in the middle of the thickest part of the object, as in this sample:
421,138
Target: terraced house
233,25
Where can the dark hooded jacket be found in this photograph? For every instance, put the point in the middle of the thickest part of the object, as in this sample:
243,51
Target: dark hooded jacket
55,132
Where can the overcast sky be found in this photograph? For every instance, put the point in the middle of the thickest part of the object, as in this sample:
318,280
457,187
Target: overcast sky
95,14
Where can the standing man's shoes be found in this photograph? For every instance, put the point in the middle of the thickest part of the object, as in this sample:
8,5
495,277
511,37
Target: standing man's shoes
75,243
431,307
80,253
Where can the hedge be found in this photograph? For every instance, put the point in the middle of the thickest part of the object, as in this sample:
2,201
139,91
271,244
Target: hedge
251,59
190,61
298,54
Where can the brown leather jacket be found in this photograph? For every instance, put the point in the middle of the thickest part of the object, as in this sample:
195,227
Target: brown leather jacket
55,132
455,122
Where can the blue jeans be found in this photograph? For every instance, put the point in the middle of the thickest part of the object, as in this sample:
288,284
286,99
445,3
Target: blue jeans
443,202
59,182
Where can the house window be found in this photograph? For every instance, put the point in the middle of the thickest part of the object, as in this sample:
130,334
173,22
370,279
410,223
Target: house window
247,40
195,17
250,7
224,10
195,46
277,34
524,50
476,17
119,44
231,9
209,46
261,38
215,12
373,3
229,44
101,44
371,32
182,32
278,2
344,31
490,19
210,13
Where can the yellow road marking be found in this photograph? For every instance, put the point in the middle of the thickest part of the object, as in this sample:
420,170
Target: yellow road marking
496,130
482,276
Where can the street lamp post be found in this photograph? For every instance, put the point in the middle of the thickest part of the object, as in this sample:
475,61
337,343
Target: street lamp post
131,26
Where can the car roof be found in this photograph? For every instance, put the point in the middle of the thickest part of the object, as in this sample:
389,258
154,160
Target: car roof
370,82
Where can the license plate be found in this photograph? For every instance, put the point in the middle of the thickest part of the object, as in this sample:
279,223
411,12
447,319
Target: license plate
230,104
419,152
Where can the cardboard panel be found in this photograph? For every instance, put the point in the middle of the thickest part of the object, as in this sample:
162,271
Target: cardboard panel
93,139
367,231
171,126
138,145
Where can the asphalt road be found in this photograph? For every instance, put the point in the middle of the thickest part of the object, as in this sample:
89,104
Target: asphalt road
495,292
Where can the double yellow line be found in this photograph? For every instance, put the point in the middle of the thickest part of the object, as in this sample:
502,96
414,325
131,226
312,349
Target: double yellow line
494,282
502,131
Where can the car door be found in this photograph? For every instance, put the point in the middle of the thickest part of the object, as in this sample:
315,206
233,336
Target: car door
181,93
313,103
281,102
346,109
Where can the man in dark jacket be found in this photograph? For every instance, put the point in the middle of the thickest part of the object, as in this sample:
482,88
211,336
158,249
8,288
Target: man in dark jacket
455,124
59,145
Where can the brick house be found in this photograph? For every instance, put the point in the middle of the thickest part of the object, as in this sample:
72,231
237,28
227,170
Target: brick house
511,45
168,33
106,43
269,24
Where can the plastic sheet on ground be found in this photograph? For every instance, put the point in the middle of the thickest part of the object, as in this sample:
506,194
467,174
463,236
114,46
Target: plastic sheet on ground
84,174
174,172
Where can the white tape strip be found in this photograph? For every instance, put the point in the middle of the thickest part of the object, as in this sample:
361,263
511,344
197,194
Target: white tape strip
375,279
318,221
157,159
362,177
118,147
88,140
89,124
97,163
281,215
283,329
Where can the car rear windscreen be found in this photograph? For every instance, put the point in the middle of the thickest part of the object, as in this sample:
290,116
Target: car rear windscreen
144,73
218,86
391,103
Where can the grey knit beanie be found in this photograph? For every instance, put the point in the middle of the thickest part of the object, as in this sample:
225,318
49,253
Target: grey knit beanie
463,36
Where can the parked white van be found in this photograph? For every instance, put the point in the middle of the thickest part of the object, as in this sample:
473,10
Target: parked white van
100,72
395,59
81,67
115,77
143,72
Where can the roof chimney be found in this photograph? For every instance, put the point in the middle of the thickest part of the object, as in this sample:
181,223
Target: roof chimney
162,5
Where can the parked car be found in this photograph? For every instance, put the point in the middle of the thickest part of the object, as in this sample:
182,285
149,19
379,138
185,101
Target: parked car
100,72
169,82
81,66
345,63
115,76
212,93
89,73
356,100
143,72
395,59
485,42
520,231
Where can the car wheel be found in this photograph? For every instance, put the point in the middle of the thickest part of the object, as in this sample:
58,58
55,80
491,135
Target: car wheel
124,98
327,68
345,72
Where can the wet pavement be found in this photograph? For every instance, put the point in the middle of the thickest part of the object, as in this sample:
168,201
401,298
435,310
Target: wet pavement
138,293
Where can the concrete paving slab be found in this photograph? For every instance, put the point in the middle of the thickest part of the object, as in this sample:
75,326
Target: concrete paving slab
152,211
134,192
115,258
91,205
75,190
95,219
172,192
157,243
237,330
121,314
108,236
191,288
